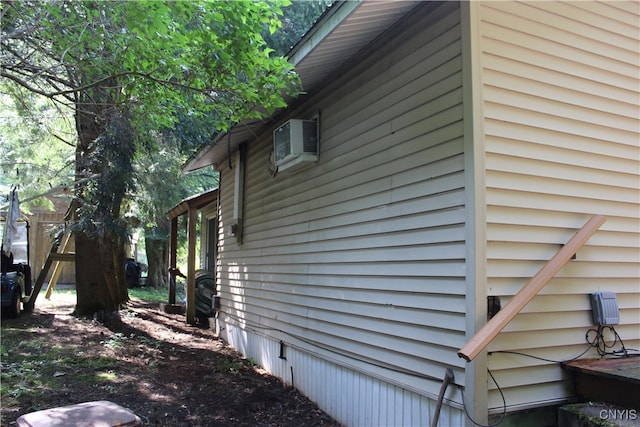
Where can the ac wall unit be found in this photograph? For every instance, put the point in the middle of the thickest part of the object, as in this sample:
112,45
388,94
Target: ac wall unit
295,144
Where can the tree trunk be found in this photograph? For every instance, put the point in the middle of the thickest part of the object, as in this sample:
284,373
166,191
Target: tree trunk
100,284
100,278
157,257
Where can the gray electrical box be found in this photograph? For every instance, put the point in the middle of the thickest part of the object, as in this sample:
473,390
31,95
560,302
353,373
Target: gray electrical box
604,306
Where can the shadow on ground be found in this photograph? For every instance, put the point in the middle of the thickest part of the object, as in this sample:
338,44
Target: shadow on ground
167,372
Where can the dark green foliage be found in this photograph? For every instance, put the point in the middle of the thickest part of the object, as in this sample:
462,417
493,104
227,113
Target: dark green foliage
148,83
110,166
296,20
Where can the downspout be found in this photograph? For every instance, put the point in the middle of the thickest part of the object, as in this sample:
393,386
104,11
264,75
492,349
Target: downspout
229,146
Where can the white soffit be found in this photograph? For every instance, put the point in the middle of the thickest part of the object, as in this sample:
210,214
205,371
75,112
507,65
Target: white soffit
346,29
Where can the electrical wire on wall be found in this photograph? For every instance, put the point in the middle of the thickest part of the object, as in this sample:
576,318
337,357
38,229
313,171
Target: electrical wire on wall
253,326
594,337
504,405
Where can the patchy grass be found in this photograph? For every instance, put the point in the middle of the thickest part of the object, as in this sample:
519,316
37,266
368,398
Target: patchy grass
166,371
141,294
149,294
33,368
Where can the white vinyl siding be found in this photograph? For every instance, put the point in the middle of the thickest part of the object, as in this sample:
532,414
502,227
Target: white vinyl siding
360,259
561,130
352,398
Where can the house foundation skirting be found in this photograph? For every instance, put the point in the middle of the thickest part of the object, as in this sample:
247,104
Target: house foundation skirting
350,397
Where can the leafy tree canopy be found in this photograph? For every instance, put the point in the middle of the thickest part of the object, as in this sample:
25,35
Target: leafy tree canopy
129,71
157,79
36,148
295,22
200,58
184,69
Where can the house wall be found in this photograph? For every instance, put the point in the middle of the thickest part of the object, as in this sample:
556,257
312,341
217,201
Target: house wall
350,281
559,87
208,244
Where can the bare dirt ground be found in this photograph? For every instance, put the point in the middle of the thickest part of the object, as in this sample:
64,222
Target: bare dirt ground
167,372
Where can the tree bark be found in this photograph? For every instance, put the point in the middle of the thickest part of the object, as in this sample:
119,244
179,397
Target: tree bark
157,257
99,273
100,278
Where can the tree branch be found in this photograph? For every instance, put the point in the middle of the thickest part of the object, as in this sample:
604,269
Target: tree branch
64,141
23,83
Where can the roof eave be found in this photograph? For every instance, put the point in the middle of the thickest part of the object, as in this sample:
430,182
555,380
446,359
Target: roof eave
325,47
198,201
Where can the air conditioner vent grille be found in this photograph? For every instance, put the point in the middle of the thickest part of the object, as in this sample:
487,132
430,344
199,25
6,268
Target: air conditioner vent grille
295,144
309,137
282,138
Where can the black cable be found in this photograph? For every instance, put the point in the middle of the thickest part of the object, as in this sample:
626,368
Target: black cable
541,358
253,326
605,349
598,342
504,405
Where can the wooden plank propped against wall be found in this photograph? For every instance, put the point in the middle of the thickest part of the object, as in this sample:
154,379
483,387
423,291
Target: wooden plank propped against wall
497,323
